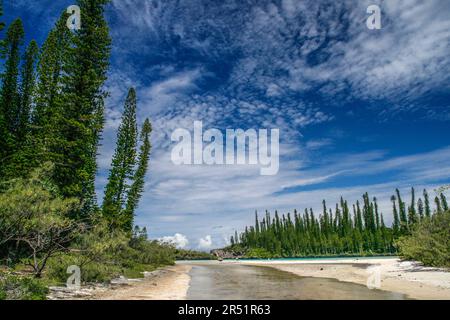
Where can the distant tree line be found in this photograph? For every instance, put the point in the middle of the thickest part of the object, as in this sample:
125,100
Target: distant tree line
357,229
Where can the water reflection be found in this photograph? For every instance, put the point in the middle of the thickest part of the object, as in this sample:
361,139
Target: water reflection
240,282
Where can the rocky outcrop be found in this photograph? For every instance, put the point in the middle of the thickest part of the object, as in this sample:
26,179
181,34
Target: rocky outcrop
227,254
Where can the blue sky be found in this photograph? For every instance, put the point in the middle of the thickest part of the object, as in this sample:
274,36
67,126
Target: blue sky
358,109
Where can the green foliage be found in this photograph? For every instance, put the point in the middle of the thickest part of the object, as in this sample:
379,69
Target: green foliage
137,187
27,90
13,287
121,199
333,233
53,112
103,254
429,241
9,94
34,216
149,252
123,161
95,251
93,271
81,122
181,254
258,253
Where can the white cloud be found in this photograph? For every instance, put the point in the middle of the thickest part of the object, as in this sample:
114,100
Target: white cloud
163,94
318,143
205,243
285,49
194,199
290,47
178,240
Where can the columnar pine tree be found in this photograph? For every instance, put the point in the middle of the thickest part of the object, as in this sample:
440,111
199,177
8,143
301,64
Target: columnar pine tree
137,187
123,160
85,67
47,136
412,215
396,222
444,202
27,90
427,203
420,208
311,235
402,212
20,163
438,205
9,94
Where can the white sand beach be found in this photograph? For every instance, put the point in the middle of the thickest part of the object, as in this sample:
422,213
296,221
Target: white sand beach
406,277
409,278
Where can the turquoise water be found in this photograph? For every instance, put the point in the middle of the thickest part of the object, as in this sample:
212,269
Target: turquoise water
302,259
320,258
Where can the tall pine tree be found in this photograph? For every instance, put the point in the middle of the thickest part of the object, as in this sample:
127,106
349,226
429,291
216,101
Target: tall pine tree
27,90
412,214
137,187
444,202
123,160
427,203
46,136
85,67
20,163
9,95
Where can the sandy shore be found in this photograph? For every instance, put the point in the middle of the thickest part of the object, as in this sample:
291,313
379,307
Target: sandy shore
410,278
171,283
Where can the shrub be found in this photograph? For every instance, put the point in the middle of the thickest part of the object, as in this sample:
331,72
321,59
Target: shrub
258,253
429,241
35,217
92,271
13,287
182,254
103,254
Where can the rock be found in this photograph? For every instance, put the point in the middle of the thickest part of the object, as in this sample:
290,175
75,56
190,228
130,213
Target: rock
227,254
65,293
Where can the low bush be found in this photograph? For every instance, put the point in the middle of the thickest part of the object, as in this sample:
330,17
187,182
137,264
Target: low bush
429,241
103,256
15,287
258,253
181,254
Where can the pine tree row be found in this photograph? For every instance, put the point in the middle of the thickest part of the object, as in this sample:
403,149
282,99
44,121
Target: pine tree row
359,229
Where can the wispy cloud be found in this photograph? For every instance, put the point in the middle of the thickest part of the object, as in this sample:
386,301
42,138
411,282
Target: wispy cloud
292,65
228,195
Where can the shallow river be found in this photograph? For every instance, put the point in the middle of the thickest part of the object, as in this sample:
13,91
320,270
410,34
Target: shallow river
240,282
